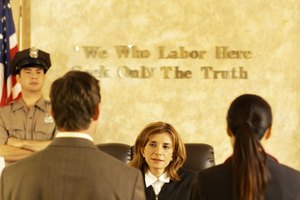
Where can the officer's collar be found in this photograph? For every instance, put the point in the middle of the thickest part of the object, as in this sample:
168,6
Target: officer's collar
19,104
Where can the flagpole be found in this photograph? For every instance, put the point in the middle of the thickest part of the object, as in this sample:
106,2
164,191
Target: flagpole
20,24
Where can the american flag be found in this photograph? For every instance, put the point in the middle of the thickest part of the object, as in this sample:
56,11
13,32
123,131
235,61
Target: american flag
9,88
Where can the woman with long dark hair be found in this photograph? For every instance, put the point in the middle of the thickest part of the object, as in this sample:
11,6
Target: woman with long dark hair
250,173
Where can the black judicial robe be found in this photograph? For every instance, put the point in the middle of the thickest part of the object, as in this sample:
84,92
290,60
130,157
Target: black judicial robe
175,190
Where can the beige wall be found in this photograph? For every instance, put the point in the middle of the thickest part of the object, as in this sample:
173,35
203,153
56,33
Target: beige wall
265,34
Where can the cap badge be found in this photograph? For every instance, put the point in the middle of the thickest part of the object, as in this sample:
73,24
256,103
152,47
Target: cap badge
33,53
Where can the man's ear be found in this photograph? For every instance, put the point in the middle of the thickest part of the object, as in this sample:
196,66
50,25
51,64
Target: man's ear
50,111
268,133
97,112
229,133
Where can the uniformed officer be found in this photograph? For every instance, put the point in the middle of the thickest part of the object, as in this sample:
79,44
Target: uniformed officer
25,124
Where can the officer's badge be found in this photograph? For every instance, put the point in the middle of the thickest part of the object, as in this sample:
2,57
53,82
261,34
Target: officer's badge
34,52
48,119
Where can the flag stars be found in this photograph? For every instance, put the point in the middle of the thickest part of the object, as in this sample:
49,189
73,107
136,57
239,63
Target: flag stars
7,30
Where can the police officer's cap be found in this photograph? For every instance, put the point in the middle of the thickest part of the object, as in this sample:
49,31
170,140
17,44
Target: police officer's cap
32,57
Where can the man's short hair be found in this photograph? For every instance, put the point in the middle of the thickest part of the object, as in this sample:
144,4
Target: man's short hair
74,98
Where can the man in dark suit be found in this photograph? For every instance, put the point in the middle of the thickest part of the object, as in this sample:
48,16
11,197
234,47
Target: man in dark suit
71,167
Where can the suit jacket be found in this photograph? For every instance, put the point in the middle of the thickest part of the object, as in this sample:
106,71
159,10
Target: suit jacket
71,169
174,190
216,182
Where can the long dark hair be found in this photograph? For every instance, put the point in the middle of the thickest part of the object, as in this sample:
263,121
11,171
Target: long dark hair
248,119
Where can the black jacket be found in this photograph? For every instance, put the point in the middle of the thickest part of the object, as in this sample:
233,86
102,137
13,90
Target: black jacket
216,182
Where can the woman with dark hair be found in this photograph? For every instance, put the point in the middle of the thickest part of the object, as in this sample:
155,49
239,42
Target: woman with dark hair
250,173
160,153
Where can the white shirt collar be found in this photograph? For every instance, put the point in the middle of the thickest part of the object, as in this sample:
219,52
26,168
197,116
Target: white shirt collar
156,183
150,178
74,135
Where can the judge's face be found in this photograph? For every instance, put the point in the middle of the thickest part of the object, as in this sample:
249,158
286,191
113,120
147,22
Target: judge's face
158,153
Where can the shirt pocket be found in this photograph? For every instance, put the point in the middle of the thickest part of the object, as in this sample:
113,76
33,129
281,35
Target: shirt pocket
17,130
44,130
